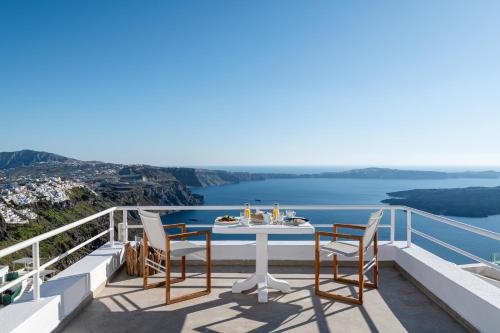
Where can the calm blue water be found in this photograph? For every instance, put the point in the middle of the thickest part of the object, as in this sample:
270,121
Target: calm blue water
352,192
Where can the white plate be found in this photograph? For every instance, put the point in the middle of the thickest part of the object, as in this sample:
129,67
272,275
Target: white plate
289,219
217,221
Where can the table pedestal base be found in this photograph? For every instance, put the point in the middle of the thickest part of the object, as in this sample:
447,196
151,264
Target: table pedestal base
263,284
261,278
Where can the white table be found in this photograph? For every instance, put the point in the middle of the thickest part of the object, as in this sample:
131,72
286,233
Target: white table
261,278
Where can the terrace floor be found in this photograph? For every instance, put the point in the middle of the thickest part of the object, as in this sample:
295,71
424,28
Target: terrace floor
397,306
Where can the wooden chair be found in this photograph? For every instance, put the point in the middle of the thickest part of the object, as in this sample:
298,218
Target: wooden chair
171,246
346,249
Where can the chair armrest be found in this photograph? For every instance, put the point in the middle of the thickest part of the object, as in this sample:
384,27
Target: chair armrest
189,234
175,225
351,226
337,235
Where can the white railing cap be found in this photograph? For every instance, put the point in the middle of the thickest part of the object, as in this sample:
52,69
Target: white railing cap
39,238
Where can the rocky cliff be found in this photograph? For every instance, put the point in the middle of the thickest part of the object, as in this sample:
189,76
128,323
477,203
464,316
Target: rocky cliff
205,177
147,185
162,193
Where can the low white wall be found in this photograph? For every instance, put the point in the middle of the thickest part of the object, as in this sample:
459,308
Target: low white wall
63,293
283,250
472,298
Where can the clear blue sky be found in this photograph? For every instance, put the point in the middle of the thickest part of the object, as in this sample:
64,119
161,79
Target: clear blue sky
253,82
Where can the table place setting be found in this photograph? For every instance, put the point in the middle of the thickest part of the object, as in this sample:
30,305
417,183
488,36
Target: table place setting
260,218
262,224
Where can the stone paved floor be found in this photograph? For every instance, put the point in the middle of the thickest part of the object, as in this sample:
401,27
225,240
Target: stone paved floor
397,306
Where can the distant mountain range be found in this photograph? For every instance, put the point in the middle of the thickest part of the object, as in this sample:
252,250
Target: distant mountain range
21,158
385,173
205,177
144,184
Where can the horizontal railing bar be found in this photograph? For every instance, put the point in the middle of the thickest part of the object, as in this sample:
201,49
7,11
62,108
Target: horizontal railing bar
241,207
154,265
464,226
74,249
39,238
16,281
369,265
134,226
29,242
456,249
318,225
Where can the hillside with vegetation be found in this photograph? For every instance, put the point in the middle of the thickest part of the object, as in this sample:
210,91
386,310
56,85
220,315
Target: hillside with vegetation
82,203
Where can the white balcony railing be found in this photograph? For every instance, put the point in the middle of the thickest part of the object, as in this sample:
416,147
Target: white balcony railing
35,241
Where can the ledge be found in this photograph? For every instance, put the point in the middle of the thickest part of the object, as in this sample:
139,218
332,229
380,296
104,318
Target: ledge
469,298
290,251
63,293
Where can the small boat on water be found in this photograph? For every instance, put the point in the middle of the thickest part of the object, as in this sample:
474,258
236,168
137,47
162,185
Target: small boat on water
193,220
258,200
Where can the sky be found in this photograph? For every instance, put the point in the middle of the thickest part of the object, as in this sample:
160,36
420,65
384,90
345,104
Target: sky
200,83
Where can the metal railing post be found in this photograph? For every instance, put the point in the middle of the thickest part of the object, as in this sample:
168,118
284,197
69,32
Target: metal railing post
125,226
36,267
393,224
408,227
112,228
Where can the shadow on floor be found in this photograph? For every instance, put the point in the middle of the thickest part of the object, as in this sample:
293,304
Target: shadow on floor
397,306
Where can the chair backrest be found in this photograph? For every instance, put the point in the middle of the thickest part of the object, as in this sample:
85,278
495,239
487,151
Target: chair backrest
371,228
153,229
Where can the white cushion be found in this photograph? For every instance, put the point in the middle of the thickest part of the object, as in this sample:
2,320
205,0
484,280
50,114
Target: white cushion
342,248
184,248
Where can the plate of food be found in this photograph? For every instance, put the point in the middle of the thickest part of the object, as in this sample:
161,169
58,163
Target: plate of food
227,220
296,220
258,218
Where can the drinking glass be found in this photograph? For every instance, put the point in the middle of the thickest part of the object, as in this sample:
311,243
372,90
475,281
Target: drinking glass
243,219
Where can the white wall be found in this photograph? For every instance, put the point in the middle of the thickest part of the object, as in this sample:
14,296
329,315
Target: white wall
474,299
62,294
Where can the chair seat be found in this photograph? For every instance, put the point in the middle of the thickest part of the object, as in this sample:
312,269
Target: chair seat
342,248
184,248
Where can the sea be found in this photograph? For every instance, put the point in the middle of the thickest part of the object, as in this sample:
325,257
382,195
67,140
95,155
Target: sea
317,191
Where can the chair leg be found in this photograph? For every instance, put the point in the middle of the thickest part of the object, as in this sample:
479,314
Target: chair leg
183,268
361,276
335,267
316,266
360,282
375,267
209,265
167,273
168,281
335,258
145,251
145,267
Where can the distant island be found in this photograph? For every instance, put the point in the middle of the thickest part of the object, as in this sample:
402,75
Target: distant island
465,202
386,173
